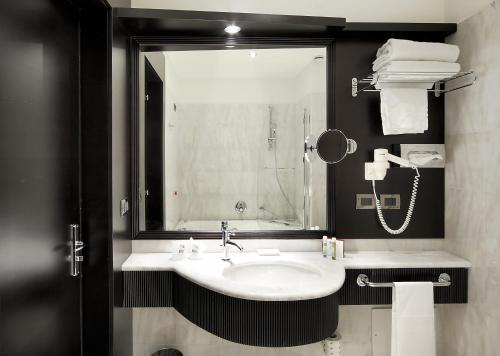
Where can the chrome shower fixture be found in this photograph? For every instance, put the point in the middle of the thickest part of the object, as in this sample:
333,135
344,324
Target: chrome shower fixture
272,137
240,206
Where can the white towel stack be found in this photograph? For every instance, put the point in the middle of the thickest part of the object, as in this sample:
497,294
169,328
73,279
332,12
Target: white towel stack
404,70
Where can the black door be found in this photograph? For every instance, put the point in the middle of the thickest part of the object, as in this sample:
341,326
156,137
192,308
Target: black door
154,149
39,177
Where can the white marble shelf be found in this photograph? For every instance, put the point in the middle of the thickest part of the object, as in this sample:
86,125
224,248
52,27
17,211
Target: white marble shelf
402,259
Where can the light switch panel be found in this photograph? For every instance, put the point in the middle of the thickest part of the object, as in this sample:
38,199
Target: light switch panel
365,201
123,207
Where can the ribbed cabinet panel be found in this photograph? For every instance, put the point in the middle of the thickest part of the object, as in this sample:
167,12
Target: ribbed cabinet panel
147,289
250,322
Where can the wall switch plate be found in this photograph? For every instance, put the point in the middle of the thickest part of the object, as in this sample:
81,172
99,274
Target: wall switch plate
387,201
123,207
365,201
390,201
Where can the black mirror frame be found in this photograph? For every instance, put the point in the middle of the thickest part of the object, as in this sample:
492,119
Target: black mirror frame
137,44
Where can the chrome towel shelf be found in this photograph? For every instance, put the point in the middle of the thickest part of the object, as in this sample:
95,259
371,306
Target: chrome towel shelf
450,83
444,280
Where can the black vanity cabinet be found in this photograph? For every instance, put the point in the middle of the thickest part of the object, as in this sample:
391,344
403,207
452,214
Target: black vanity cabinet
250,322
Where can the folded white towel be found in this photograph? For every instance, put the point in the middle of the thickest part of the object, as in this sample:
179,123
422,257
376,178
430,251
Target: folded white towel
413,74
433,68
405,50
413,327
403,110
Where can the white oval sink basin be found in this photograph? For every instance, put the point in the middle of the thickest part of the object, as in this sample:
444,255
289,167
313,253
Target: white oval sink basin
273,274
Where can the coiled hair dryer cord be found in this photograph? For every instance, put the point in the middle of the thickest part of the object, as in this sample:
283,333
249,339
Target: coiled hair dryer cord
413,198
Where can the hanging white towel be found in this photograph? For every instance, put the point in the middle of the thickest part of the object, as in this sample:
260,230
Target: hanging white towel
413,330
405,50
403,110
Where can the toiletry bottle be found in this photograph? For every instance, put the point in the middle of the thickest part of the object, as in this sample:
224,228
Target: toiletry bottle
325,244
328,247
340,249
190,246
334,248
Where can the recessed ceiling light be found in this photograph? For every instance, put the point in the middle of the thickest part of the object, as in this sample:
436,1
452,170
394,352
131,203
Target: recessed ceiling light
232,29
230,46
253,54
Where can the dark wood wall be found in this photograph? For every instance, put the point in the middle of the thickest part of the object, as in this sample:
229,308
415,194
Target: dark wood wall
359,118
95,43
107,328
122,239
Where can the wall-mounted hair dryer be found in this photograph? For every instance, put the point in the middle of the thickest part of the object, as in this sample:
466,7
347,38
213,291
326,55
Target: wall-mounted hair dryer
377,169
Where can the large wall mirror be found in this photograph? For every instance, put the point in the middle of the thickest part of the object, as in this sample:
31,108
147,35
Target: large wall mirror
221,138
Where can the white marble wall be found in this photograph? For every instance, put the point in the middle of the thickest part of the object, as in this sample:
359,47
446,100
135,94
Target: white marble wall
224,158
473,189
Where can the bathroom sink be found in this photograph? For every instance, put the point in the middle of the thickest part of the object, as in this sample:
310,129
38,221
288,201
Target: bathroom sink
290,276
277,274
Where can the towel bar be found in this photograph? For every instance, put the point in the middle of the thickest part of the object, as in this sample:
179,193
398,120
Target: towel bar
444,280
371,80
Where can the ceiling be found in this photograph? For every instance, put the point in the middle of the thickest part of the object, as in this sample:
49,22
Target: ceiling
279,63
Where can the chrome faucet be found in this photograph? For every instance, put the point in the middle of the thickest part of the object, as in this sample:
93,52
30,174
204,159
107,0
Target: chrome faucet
226,240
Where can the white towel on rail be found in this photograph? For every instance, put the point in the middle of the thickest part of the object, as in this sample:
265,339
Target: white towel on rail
433,68
414,74
403,110
413,330
405,50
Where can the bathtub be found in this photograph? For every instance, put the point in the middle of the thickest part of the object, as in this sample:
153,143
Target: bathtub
243,225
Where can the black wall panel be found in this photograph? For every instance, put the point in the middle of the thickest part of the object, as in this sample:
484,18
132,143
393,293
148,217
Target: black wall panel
97,328
359,118
122,240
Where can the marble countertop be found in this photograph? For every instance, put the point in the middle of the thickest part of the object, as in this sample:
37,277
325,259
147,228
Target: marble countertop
403,259
326,276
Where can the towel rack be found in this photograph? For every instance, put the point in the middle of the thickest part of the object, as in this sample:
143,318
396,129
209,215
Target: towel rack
444,280
466,79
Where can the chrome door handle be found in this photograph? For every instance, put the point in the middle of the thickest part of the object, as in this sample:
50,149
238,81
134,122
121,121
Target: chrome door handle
76,247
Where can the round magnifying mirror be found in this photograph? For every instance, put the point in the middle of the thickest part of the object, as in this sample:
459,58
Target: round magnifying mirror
333,146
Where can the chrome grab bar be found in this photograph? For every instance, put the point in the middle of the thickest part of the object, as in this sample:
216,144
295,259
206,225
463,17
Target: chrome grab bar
444,280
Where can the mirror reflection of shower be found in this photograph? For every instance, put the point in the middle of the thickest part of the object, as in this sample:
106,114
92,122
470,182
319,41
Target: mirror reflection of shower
233,139
307,171
273,145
